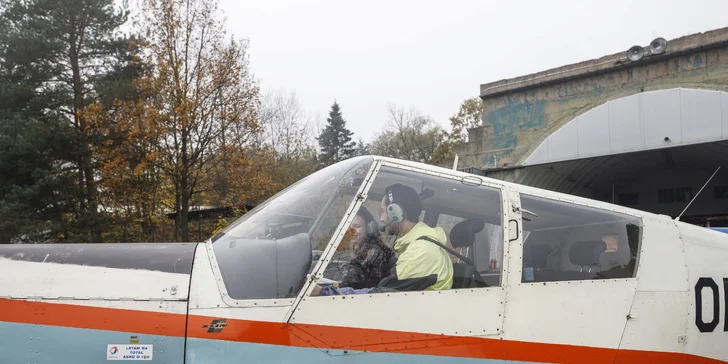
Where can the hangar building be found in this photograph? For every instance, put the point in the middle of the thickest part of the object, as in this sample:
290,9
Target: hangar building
645,133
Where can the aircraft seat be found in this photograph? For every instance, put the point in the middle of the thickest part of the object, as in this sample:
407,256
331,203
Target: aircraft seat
585,254
535,259
462,235
536,255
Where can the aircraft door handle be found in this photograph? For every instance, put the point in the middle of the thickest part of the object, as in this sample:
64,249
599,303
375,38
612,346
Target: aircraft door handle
513,222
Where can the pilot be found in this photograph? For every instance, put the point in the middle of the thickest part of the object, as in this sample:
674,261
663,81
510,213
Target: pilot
421,263
371,259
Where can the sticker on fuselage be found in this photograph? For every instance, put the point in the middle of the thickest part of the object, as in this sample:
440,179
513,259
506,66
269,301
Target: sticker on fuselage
215,326
129,352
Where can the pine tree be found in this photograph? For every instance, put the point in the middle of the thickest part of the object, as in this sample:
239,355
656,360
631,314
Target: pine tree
62,52
35,189
335,140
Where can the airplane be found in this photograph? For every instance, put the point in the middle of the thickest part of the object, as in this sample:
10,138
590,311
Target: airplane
535,277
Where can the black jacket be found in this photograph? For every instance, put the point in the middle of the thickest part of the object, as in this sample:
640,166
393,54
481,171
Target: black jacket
372,261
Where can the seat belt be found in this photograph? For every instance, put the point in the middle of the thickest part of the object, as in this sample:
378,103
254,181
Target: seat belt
467,260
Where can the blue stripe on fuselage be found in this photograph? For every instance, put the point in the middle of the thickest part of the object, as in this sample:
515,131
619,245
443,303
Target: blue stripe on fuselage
40,344
204,351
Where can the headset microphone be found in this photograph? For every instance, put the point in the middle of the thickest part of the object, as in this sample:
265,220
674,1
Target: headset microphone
383,228
373,228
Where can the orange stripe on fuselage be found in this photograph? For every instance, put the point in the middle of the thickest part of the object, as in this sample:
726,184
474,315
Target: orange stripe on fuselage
372,340
328,337
88,317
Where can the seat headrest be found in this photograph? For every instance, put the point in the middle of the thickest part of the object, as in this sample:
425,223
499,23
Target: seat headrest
536,255
463,233
587,253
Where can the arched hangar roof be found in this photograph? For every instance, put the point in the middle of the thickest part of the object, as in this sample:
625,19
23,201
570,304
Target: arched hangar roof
644,121
624,138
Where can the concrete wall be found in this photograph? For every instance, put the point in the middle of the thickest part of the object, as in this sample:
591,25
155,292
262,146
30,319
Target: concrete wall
518,114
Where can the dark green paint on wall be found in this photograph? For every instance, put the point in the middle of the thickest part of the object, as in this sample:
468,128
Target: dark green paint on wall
516,116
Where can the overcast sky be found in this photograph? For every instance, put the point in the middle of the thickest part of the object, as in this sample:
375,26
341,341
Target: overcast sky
434,54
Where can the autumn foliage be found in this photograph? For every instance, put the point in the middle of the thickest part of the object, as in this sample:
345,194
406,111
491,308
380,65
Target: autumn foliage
116,126
133,187
189,137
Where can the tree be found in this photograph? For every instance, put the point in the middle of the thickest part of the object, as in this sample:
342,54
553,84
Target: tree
132,182
362,148
468,117
68,48
335,140
29,210
410,136
208,101
288,132
36,188
287,127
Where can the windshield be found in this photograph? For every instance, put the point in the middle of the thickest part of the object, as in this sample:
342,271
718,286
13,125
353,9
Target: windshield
287,232
300,207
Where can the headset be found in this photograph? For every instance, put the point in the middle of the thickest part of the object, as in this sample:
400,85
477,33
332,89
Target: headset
394,214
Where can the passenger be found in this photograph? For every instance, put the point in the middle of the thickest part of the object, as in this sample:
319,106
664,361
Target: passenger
612,242
371,260
421,264
615,260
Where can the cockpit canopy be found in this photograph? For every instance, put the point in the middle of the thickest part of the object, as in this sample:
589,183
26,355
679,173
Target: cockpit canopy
270,251
266,252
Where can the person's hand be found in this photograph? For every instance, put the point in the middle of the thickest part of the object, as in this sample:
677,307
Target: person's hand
316,290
